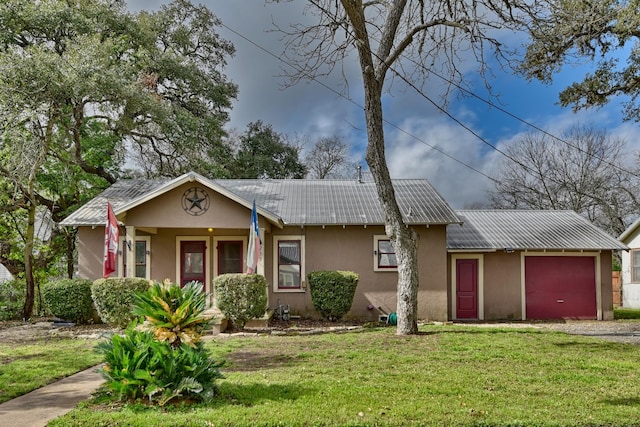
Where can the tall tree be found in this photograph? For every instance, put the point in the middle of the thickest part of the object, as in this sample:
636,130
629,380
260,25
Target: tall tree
585,171
264,153
82,81
605,31
392,38
329,158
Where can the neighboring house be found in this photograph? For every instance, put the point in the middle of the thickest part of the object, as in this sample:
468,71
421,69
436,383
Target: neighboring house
630,263
5,275
472,264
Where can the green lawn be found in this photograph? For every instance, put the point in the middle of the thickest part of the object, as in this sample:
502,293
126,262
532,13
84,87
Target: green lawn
446,376
26,367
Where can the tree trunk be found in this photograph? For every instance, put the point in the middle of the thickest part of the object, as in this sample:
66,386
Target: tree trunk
28,263
404,239
70,240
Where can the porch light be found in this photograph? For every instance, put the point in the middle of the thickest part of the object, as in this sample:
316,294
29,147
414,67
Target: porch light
210,229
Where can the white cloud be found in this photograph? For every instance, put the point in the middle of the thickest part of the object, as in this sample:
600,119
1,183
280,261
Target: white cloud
316,111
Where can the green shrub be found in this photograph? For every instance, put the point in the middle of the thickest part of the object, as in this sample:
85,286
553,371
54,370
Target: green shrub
626,313
173,314
114,298
138,366
12,296
69,299
165,359
241,297
332,292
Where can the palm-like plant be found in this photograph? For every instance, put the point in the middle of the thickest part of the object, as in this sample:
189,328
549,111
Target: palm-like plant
174,314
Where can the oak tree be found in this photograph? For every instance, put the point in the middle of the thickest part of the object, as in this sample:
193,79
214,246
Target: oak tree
604,33
83,82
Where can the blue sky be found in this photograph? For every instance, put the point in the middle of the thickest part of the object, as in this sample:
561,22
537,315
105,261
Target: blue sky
310,109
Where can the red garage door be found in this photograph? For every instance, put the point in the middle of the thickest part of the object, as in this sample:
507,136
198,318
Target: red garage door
560,287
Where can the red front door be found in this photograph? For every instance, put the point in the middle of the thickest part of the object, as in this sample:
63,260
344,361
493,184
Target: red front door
192,262
466,289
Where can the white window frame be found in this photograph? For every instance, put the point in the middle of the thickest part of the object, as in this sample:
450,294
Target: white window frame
147,256
376,267
276,256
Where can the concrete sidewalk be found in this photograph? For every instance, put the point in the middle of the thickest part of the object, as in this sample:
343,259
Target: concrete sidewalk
37,408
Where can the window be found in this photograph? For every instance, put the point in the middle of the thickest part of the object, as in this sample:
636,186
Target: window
635,266
384,255
142,255
289,263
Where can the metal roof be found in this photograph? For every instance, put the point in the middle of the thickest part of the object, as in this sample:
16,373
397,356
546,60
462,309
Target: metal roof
292,202
527,229
343,202
630,231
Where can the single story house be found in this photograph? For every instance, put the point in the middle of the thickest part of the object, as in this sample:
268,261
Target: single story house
472,264
630,263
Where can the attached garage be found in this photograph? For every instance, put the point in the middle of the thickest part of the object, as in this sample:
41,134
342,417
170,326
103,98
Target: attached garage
528,265
560,287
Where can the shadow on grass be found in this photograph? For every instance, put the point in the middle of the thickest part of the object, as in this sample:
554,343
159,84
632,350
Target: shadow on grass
256,393
248,361
623,401
596,344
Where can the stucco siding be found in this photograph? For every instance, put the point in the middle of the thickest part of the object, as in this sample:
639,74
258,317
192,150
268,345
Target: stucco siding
432,266
90,252
167,211
351,248
606,284
329,248
502,289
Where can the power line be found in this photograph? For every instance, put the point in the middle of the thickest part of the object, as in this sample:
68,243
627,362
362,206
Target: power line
341,95
443,110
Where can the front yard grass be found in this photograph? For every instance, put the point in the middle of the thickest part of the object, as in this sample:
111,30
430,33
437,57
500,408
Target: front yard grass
28,366
446,376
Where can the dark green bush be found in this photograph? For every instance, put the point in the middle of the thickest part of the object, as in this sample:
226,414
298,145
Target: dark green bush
12,295
114,298
332,292
69,299
241,297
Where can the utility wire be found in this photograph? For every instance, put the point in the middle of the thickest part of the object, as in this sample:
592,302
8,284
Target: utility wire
360,106
440,108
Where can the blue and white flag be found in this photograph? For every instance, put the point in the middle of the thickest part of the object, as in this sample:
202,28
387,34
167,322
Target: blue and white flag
253,251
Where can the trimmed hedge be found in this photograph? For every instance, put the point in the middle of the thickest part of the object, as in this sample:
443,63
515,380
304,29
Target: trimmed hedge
114,298
69,299
12,297
241,297
332,292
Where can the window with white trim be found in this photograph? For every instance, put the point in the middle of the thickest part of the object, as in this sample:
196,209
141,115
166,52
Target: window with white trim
635,265
288,263
142,257
384,254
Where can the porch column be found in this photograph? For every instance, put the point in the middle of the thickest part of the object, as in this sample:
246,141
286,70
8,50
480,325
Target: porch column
260,266
130,251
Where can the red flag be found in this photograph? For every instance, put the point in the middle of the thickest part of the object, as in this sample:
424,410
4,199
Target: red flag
253,251
111,234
